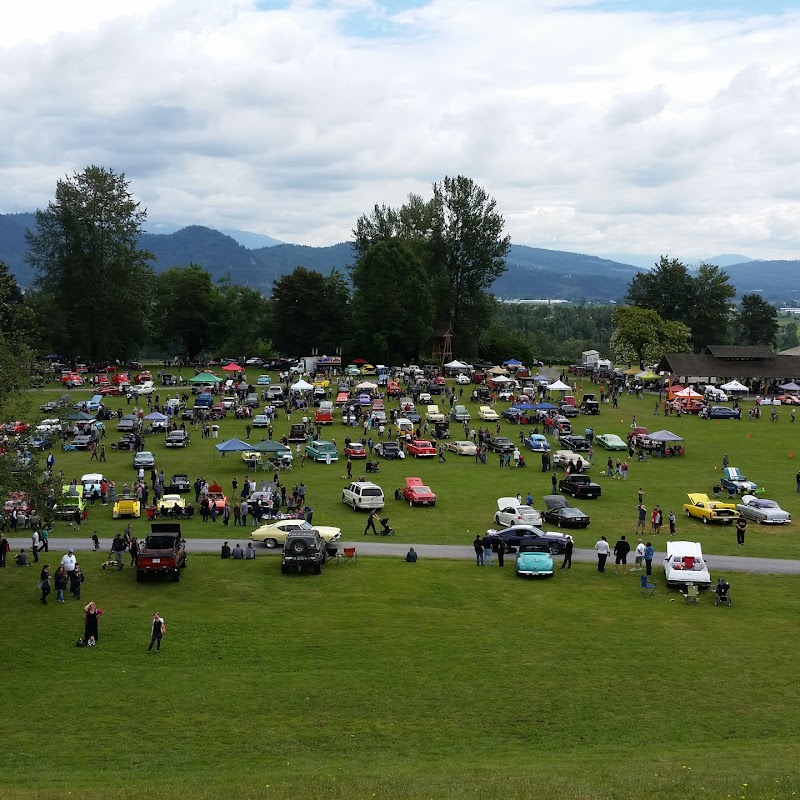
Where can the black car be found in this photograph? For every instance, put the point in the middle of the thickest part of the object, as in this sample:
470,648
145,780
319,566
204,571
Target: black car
434,388
180,483
723,412
481,395
177,438
389,450
412,416
512,414
559,513
580,486
555,542
501,444
441,430
567,410
83,440
574,442
127,442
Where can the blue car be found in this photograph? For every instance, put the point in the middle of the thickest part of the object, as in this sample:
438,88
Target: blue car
537,443
534,559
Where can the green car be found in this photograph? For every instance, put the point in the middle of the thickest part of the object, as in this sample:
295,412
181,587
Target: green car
610,441
320,450
534,559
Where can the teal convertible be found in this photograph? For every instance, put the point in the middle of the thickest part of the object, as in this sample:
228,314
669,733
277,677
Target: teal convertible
533,559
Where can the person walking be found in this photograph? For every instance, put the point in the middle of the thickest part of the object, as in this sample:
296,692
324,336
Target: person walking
35,544
44,583
478,545
649,552
741,527
349,470
567,562
158,629
725,461
118,548
91,631
373,515
603,552
621,550
487,550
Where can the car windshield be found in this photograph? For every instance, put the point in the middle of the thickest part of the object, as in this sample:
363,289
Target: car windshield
765,504
160,542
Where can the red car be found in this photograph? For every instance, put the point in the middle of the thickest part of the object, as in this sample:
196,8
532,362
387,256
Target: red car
109,389
341,399
146,375
417,493
421,448
439,380
323,416
355,450
121,377
16,427
216,497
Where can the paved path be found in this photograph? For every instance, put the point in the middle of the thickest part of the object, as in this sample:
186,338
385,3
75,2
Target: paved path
381,547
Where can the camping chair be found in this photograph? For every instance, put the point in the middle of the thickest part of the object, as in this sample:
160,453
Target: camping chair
349,554
720,591
331,553
717,491
648,589
691,595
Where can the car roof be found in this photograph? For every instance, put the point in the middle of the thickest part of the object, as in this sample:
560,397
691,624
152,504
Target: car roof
414,482
684,549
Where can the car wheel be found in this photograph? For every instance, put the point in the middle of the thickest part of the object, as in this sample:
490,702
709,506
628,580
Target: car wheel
271,543
705,520
558,522
688,514
555,548
497,520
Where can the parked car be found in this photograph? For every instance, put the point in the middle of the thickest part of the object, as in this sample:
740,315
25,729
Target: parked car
563,458
534,559
303,550
388,450
568,410
610,441
501,444
701,507
733,480
537,442
462,447
488,414
177,438
459,413
416,493
144,459
511,537
355,450
580,486
421,448
180,483
274,534
574,442
262,421
721,412
684,564
511,512
513,415
763,511
363,495
321,450
127,424
558,512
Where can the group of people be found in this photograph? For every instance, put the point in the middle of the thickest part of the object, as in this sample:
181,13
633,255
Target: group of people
237,552
643,555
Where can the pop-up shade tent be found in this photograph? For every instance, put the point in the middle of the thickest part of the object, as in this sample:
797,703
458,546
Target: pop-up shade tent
664,436
233,446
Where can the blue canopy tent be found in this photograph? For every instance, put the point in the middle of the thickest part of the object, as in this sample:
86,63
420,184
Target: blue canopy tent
540,379
526,406
544,406
512,362
233,446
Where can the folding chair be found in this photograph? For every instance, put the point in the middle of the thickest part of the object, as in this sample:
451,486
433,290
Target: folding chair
332,553
691,595
648,588
349,554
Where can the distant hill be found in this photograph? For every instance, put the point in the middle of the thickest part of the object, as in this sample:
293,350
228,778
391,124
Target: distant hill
532,272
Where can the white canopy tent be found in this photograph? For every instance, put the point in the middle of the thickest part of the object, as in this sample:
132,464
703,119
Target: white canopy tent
301,386
688,393
558,386
456,365
735,386
367,386
790,387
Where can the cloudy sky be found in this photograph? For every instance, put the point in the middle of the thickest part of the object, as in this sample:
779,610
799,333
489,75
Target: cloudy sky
621,126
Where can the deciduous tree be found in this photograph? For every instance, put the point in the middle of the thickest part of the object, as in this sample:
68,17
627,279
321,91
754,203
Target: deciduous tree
640,336
756,322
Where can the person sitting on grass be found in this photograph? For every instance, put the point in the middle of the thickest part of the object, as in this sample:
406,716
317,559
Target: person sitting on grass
411,556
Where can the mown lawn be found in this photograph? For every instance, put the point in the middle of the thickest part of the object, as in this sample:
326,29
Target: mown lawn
467,491
384,679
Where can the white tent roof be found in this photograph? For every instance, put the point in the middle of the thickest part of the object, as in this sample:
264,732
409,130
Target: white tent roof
367,385
502,379
456,365
688,392
301,386
790,387
559,386
734,386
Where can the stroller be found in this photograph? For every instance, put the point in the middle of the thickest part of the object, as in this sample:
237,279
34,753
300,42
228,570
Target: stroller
720,592
385,529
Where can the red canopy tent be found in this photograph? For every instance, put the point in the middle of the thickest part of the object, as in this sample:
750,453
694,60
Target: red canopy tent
359,361
232,368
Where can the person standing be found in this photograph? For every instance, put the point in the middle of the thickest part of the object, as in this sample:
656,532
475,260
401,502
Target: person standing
725,461
741,527
671,519
658,520
610,467
501,552
649,552
118,548
5,548
478,545
487,550
44,583
60,579
642,521
75,581
554,483
35,544
640,548
91,633
621,550
69,561
603,552
159,628
567,562
641,496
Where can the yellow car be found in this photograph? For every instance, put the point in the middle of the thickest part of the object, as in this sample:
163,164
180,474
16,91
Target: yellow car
488,414
321,383
127,505
701,507
274,534
170,501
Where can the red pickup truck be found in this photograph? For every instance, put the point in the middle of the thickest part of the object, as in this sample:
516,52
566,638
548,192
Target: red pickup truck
163,551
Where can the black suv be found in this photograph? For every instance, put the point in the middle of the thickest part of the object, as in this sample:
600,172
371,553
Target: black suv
303,548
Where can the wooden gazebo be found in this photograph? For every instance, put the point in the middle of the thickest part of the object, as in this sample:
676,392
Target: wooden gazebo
442,349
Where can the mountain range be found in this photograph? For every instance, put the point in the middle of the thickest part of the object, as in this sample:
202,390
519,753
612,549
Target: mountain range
536,273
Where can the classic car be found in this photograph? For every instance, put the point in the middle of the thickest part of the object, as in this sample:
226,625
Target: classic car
180,483
169,502
537,442
324,415
127,424
127,442
763,511
559,513
112,390
424,398
355,450
297,433
441,430
574,442
684,564
261,421
421,448
562,425
459,413
263,380
488,414
70,501
388,450
701,507
580,486
513,415
568,410
733,480
217,497
463,447
145,459
556,542
341,399
274,534
721,412
83,440
462,379
177,438
534,558
412,416
511,512
433,414
563,458
43,441
610,441
416,493
127,505
501,444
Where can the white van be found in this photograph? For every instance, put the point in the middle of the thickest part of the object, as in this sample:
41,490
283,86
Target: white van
363,494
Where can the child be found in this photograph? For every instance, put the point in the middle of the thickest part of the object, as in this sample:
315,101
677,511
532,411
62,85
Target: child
96,540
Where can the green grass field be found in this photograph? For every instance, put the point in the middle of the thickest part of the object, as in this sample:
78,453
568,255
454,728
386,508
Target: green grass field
385,679
467,491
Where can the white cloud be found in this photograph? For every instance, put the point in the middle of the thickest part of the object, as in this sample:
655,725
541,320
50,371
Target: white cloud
594,130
